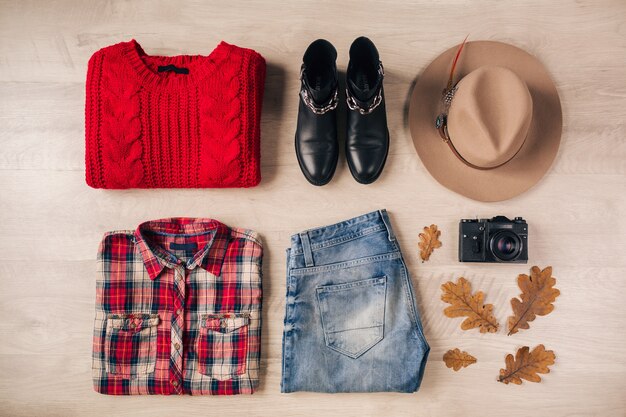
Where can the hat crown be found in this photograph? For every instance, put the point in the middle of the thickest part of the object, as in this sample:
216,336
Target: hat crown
490,115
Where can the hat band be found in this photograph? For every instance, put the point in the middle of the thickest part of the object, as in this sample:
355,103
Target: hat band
442,127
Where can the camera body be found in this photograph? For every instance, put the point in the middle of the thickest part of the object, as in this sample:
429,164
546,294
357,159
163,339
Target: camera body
493,240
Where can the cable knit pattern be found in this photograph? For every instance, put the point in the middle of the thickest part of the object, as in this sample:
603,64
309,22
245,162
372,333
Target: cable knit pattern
120,128
221,126
151,129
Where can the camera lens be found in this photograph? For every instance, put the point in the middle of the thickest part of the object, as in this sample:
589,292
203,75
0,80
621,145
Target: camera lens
505,245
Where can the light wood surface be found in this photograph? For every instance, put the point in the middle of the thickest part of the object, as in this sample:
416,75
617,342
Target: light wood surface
51,222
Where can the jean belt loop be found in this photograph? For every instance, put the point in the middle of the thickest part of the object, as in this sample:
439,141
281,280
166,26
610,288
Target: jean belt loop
385,217
289,263
306,248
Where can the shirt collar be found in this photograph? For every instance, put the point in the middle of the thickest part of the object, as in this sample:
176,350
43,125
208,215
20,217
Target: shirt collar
156,258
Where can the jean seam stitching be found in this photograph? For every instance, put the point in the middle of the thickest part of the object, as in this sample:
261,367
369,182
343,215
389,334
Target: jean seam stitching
360,352
367,217
347,264
407,293
411,301
286,354
338,241
370,282
333,242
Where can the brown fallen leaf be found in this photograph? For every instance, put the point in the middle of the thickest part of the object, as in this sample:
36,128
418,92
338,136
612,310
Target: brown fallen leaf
457,359
429,241
527,365
538,294
464,304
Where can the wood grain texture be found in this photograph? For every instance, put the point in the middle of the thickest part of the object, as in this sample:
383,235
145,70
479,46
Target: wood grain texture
51,222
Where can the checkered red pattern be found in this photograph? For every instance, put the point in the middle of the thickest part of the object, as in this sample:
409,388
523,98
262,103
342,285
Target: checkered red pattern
223,346
129,338
178,309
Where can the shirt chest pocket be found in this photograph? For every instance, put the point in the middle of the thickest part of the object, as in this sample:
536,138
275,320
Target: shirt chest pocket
222,345
131,344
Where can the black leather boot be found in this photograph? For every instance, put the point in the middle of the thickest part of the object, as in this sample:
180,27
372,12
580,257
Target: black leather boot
367,139
317,148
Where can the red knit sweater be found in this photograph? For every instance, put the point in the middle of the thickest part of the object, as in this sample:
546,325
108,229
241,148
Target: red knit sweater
149,127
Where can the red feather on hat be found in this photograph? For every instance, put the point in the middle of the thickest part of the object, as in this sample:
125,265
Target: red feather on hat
456,59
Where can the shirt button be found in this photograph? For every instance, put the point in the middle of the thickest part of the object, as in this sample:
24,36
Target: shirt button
179,311
175,383
177,346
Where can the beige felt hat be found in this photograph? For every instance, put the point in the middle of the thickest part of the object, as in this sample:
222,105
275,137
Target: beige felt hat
500,123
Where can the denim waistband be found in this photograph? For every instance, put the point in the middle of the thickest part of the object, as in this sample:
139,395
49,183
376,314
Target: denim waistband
344,231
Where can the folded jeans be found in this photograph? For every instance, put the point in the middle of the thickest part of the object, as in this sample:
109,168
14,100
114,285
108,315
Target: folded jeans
351,321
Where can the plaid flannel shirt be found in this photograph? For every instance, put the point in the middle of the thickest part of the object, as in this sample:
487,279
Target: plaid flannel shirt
178,309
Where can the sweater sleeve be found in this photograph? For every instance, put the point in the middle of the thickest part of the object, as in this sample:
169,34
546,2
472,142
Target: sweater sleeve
255,91
93,160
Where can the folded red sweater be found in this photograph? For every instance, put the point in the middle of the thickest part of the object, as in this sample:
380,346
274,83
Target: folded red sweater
187,121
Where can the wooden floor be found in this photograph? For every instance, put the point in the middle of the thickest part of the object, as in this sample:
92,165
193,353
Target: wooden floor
51,221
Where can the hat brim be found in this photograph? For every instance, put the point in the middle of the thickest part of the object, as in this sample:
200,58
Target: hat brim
539,149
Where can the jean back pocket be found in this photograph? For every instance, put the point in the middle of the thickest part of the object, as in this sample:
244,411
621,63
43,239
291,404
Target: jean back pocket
130,345
353,315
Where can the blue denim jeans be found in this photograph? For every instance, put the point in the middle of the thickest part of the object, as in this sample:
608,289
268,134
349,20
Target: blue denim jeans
351,322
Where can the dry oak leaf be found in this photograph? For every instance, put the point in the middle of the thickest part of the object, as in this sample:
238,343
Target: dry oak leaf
464,304
527,365
429,241
538,294
456,359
